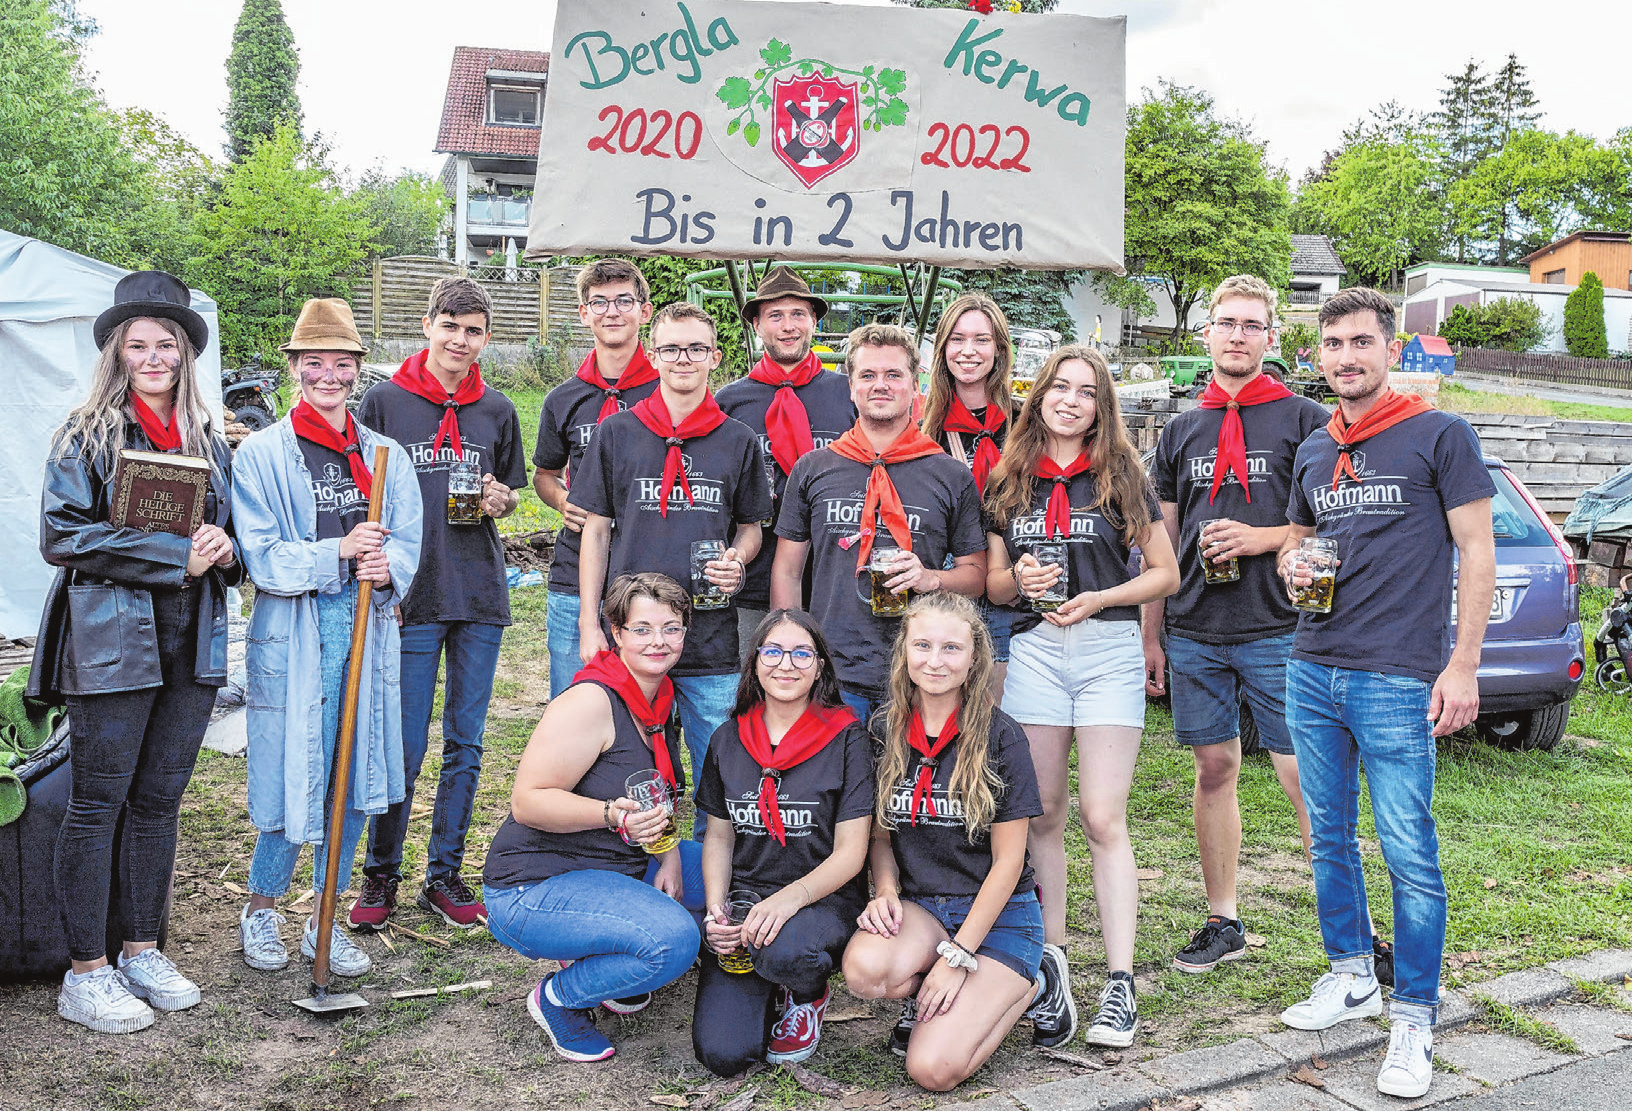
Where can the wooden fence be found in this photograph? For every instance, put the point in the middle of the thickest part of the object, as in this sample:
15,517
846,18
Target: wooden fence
389,302
1612,373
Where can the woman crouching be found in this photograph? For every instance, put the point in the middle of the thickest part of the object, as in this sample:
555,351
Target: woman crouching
574,873
790,777
954,926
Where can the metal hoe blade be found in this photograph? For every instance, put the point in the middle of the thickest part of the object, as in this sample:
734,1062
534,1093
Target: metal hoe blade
323,1001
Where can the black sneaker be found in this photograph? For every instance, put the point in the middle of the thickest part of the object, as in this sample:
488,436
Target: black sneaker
1382,961
1221,939
1117,1020
1054,1013
901,1032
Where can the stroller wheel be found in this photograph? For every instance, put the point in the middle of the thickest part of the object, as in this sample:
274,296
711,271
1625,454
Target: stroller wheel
1611,676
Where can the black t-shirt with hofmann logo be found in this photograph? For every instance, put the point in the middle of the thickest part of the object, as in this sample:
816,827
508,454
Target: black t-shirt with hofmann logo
827,403
822,506
1256,606
461,567
565,428
1392,607
935,856
833,786
341,507
621,477
1095,553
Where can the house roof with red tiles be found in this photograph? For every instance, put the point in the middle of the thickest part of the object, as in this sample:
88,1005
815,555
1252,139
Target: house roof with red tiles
465,129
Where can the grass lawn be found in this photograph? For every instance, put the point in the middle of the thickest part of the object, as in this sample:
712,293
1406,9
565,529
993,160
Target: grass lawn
1460,399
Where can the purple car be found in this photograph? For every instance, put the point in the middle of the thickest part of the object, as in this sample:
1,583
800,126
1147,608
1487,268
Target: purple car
1533,656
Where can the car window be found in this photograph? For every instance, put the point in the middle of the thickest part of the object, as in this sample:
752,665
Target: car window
1511,517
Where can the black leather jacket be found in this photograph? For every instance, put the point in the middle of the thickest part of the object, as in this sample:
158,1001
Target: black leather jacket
97,634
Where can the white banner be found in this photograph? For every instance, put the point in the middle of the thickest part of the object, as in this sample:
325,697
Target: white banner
729,129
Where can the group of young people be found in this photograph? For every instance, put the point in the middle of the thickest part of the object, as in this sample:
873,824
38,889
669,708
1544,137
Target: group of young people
879,635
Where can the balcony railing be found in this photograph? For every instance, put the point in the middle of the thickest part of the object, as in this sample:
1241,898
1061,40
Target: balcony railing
504,212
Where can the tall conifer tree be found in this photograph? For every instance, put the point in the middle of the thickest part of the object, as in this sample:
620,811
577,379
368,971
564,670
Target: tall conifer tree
261,74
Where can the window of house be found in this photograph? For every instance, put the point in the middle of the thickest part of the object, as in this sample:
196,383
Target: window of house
1553,277
513,105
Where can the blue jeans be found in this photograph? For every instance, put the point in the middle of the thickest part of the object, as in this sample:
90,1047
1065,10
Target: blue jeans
623,936
1016,937
273,864
561,638
1339,718
472,651
705,703
861,705
1209,680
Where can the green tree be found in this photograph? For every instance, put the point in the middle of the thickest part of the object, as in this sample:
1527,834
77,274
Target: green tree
1506,324
1381,203
1512,100
1541,186
281,232
1201,205
406,211
66,176
1030,298
1584,334
180,182
1467,127
261,73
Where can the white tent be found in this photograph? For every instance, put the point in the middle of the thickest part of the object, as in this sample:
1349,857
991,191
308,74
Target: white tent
49,299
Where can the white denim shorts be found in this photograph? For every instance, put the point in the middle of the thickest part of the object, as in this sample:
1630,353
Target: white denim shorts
1090,673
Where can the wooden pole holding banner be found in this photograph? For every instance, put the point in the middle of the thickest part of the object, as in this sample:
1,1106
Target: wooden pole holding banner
341,775
735,278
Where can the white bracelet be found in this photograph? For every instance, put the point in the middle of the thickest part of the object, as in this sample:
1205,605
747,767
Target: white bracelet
956,955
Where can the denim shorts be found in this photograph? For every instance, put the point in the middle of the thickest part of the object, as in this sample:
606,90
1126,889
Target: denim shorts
1015,939
1209,681
1000,623
1090,673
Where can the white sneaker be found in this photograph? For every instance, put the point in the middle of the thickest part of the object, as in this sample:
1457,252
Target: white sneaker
150,975
101,1001
1336,997
1409,1067
345,959
263,943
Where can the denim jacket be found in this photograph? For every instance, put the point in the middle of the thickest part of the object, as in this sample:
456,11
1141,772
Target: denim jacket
276,519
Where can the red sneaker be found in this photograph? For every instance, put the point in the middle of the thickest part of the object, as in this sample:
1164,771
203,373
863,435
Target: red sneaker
798,1032
376,903
454,901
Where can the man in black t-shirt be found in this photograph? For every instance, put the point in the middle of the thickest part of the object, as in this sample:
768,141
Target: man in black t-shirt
828,516
461,434
671,472
1400,491
613,302
1226,469
789,401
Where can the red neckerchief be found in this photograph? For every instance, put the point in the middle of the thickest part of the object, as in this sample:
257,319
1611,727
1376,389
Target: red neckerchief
809,735
609,669
654,414
639,372
1232,439
1390,409
1057,521
309,425
786,422
163,437
414,375
987,455
882,503
927,758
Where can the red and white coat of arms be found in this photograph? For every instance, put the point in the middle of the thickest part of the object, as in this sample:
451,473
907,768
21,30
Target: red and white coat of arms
817,125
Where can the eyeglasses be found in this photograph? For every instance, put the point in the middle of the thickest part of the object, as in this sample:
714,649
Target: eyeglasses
599,305
648,632
1249,328
696,353
771,656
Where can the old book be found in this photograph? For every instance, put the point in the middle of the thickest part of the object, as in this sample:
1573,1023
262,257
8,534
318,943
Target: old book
156,492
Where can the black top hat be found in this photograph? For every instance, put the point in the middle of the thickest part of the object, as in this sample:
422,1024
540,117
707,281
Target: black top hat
152,293
778,283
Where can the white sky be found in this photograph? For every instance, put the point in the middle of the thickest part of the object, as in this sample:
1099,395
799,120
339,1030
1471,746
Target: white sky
373,73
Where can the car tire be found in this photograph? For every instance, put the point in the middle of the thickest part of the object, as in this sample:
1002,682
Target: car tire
1249,732
1525,730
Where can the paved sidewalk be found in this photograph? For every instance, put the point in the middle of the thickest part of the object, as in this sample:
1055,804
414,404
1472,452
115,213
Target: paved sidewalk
1337,1068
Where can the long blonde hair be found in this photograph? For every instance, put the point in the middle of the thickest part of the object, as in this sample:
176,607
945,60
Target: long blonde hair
942,386
96,427
973,778
1115,467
